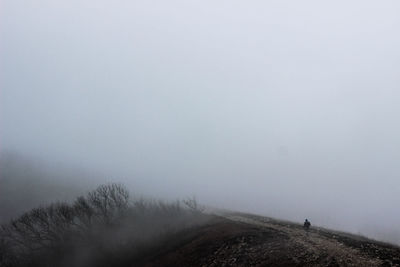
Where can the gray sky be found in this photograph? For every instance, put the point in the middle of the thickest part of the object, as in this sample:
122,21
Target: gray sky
286,108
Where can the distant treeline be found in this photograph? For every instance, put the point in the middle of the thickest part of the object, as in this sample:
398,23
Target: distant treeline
103,228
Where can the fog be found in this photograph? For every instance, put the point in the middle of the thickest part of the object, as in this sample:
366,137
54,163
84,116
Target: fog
283,108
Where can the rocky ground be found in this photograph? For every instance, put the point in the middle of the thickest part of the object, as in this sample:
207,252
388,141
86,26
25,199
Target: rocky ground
247,240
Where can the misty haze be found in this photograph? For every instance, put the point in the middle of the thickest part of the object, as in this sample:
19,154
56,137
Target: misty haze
207,109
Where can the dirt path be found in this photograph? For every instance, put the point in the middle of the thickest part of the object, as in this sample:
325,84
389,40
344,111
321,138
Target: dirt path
237,239
314,243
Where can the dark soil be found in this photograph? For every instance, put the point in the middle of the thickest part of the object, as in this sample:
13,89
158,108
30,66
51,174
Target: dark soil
248,240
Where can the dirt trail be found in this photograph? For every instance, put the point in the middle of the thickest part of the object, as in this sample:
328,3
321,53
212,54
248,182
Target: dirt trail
317,243
238,239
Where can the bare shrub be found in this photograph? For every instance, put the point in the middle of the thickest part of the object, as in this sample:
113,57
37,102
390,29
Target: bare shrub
104,226
108,201
192,204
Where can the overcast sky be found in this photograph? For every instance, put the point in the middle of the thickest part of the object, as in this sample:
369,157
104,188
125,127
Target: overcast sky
285,108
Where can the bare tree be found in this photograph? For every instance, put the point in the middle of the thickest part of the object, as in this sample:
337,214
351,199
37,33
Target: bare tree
108,201
104,222
192,204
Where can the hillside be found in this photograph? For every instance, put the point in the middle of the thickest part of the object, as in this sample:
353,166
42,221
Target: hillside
237,239
106,227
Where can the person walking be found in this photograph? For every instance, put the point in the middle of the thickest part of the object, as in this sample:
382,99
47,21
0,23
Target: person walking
307,224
